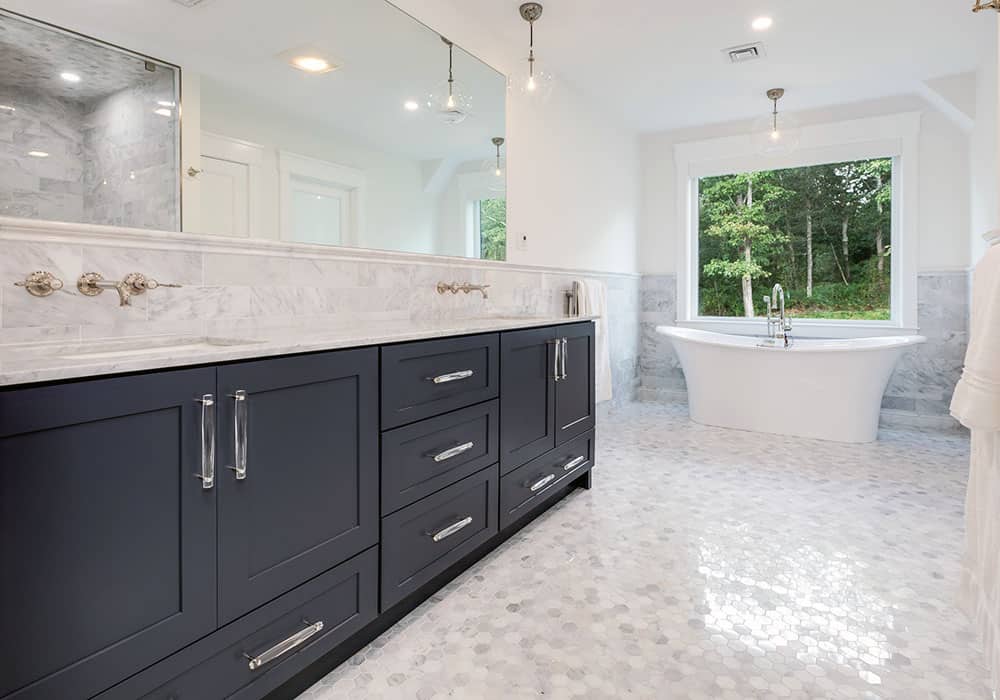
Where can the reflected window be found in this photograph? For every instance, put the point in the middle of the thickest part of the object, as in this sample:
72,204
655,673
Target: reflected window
491,229
320,214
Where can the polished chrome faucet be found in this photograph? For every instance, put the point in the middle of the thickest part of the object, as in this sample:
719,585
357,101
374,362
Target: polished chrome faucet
455,288
779,328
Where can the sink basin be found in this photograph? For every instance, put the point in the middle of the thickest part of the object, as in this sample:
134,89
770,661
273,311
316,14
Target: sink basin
141,347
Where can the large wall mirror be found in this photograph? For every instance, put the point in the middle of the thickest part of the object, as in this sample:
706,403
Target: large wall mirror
336,122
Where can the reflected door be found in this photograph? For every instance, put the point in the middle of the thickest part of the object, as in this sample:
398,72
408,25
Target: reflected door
225,197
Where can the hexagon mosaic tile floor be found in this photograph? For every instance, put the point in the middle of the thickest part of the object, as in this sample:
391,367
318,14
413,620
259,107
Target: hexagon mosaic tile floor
708,563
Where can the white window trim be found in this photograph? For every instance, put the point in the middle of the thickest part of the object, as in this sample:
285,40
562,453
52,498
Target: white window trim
895,136
294,166
243,153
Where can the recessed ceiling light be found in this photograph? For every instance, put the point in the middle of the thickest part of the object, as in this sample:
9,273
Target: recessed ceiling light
38,154
166,103
312,64
411,105
163,112
7,109
70,77
762,24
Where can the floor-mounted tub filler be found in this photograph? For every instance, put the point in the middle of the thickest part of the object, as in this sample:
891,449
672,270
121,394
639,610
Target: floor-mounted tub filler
826,389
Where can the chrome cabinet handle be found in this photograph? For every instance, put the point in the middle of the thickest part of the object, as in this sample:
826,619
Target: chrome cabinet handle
542,483
452,376
240,434
451,529
207,474
563,355
454,451
555,369
574,463
284,647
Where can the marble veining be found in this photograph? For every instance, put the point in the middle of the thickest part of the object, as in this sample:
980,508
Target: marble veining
708,564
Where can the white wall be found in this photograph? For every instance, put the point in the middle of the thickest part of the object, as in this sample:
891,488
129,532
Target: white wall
574,186
944,183
985,145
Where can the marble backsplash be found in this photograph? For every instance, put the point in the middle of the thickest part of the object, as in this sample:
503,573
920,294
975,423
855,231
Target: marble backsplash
235,290
919,392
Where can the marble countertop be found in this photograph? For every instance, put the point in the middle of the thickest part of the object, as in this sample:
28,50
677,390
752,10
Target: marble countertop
30,363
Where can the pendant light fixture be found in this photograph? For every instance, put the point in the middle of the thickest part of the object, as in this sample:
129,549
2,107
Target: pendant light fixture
449,101
776,133
537,84
496,170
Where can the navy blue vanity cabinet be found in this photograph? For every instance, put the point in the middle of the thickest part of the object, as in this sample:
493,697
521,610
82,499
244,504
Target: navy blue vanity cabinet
574,412
298,474
547,390
107,533
528,395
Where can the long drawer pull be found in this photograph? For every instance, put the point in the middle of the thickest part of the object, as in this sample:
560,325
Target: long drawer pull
207,474
542,483
240,434
451,529
562,358
574,463
452,376
454,451
282,648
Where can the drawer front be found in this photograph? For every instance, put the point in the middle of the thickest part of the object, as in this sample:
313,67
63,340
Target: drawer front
529,486
425,379
426,538
300,628
422,458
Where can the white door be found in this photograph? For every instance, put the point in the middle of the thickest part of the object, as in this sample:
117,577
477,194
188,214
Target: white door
225,197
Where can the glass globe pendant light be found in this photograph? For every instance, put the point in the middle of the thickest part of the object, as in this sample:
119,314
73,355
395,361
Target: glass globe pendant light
496,170
776,133
448,100
537,84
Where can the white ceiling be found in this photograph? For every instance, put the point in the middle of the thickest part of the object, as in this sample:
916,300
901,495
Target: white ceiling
387,57
657,64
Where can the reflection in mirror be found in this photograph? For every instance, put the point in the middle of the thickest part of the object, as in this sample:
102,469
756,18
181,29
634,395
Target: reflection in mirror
333,122
88,133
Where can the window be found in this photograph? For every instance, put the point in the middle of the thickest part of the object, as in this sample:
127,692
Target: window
490,216
824,232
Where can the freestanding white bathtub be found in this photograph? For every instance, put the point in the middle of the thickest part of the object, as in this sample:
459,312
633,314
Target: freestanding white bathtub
827,389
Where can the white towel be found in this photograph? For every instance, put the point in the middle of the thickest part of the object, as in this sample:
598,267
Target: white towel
976,403
593,300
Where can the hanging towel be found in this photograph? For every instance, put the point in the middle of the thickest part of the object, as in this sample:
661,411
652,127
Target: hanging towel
592,297
976,403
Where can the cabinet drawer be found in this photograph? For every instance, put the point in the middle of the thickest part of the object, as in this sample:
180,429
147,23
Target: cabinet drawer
425,379
529,486
426,538
422,458
286,635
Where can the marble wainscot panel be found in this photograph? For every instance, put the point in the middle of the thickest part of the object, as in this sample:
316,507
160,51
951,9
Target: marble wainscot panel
241,289
919,392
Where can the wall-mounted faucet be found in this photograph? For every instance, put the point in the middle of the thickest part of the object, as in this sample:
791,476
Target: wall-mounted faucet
134,284
455,288
779,328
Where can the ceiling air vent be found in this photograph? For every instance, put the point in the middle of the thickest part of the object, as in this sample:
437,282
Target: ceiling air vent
745,53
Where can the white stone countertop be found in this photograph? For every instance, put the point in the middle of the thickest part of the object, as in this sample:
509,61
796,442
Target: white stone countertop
30,363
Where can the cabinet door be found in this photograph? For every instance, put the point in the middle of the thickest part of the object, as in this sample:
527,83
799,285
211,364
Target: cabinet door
298,474
575,389
527,391
107,538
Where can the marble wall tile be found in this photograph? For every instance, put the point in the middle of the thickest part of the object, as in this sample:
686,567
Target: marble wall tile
199,303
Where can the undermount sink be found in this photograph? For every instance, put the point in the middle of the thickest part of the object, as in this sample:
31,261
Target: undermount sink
140,347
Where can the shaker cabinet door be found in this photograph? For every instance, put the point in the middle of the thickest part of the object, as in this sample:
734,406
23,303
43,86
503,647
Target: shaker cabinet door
575,389
527,395
107,538
298,473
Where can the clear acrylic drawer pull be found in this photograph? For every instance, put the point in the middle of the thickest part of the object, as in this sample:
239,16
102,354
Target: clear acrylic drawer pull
542,483
574,463
452,376
454,451
284,647
451,529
